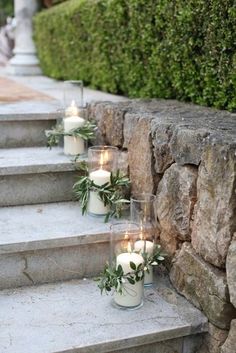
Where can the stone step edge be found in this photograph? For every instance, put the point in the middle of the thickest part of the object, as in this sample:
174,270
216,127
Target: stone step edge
45,244
28,117
57,161
157,324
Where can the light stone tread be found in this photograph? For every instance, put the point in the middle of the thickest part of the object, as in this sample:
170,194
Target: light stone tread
30,160
73,317
50,225
30,110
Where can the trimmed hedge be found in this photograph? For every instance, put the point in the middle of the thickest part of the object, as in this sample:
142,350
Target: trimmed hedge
144,48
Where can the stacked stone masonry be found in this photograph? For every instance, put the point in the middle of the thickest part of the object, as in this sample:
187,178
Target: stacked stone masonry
186,155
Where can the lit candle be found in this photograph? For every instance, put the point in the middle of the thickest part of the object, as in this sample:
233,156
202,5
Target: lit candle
72,110
132,293
73,145
99,177
147,246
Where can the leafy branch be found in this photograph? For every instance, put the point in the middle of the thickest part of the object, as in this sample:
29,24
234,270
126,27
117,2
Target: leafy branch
110,193
86,132
114,277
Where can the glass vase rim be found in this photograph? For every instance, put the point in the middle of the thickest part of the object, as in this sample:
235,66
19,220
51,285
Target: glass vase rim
100,148
140,197
117,223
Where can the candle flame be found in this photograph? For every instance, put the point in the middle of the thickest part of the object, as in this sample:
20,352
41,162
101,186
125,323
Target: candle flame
73,104
103,158
129,247
126,235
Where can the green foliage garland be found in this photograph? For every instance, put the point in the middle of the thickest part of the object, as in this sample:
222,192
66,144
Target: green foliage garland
111,193
114,277
86,132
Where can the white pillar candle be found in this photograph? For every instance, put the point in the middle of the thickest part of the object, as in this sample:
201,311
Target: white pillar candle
132,293
95,205
148,248
73,145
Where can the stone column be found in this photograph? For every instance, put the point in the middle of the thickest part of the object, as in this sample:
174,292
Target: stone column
24,61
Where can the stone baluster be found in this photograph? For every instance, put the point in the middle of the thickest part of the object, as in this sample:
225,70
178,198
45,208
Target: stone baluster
24,61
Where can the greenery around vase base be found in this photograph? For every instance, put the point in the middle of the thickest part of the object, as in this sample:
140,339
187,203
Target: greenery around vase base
113,277
86,132
110,193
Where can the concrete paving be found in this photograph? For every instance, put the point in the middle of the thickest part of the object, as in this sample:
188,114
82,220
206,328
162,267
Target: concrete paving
57,318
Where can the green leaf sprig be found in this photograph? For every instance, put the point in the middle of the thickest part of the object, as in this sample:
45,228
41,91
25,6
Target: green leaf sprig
110,193
86,132
114,277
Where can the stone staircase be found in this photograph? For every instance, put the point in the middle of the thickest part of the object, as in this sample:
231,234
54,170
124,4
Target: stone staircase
48,252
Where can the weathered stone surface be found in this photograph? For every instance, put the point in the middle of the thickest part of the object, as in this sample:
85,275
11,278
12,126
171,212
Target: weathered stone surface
176,196
213,340
231,270
161,136
109,118
230,343
169,242
130,122
123,165
187,145
204,285
215,214
141,159
73,317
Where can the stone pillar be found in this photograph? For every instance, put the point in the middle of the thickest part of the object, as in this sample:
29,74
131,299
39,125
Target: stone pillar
24,61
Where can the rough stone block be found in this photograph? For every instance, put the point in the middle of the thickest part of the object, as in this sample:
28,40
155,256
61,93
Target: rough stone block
213,340
230,344
204,285
130,122
215,221
140,158
109,118
176,196
187,145
231,270
161,136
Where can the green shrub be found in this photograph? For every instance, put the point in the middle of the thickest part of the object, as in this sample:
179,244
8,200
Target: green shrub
144,48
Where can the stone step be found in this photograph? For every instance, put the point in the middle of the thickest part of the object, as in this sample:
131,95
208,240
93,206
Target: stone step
50,242
72,317
35,175
23,124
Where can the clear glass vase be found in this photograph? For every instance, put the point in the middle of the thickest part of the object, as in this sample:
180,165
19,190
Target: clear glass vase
74,117
102,161
124,235
142,212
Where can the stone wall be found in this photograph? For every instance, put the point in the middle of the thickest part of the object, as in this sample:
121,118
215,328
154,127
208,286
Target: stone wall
186,155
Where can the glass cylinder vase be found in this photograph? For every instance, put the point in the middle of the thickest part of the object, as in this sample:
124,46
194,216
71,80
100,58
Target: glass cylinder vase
124,235
73,117
142,212
102,161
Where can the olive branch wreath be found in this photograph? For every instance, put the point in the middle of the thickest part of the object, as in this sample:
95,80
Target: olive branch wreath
113,277
86,132
110,193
